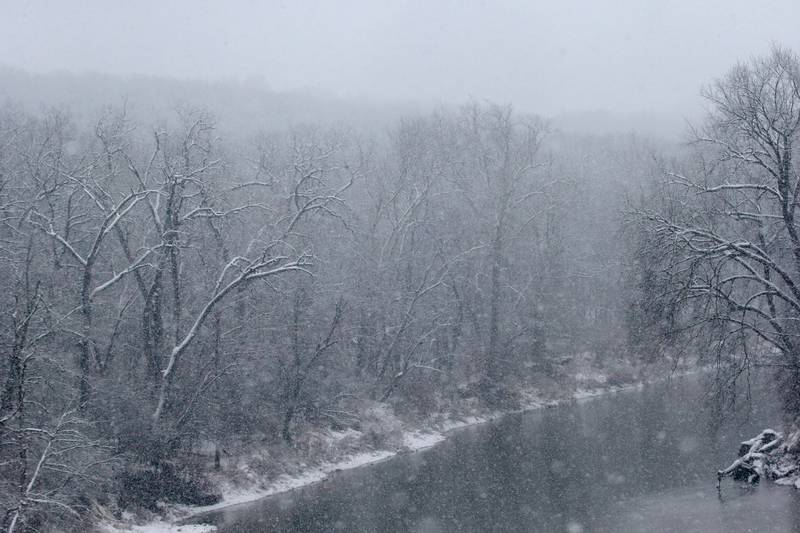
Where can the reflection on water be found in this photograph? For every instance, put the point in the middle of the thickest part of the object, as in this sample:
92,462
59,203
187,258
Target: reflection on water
635,461
751,509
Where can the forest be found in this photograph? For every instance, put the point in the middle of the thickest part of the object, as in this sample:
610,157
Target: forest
178,290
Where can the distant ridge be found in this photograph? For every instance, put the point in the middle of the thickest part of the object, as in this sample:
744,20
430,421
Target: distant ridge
239,106
243,107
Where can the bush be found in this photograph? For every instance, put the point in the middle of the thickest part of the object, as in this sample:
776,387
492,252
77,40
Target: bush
418,397
380,427
145,487
498,396
621,376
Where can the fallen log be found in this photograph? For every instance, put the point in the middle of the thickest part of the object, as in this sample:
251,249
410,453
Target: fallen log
753,454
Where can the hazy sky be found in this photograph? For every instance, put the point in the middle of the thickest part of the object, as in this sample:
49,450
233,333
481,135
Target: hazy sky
545,56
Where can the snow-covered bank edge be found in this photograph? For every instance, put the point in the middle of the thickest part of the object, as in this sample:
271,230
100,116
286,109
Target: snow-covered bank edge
413,439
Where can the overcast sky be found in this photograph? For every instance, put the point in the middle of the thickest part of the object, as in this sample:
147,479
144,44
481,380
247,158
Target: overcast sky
547,56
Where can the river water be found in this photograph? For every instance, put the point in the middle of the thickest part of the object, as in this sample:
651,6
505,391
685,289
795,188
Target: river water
642,460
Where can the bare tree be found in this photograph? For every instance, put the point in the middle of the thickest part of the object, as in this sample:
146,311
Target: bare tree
297,371
276,248
504,185
735,232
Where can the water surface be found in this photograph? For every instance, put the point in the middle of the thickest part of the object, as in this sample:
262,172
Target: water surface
635,461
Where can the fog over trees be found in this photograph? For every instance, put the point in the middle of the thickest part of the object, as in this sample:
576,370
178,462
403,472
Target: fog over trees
182,282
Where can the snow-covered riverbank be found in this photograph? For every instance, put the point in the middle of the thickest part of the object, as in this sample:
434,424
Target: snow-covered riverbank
411,439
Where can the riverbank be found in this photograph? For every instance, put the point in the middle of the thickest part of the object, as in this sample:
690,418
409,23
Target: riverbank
251,476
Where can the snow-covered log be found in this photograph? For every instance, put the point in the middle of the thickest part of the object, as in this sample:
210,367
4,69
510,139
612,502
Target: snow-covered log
753,459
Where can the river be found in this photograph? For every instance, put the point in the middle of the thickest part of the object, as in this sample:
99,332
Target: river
642,460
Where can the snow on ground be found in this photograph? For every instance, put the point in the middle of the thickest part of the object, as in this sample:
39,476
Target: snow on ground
159,527
583,394
416,439
413,440
456,423
591,375
236,496
286,483
789,481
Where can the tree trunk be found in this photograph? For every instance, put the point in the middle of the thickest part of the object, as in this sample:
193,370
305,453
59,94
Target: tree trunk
493,372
